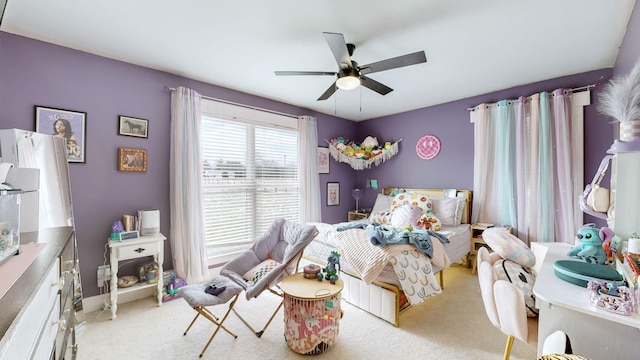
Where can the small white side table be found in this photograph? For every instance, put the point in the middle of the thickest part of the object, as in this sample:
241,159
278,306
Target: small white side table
150,245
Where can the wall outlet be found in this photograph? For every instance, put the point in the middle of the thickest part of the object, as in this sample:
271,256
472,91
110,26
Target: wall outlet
104,274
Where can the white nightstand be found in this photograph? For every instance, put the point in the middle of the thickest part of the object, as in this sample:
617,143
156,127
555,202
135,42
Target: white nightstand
150,245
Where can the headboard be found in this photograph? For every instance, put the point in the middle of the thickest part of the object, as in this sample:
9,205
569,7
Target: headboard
466,194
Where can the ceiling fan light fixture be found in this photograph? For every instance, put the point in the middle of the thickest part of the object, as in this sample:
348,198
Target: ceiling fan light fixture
348,79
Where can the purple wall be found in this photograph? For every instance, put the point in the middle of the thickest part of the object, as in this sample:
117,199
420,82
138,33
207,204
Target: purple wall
38,73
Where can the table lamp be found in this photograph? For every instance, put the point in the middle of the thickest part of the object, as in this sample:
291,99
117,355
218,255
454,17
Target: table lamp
357,194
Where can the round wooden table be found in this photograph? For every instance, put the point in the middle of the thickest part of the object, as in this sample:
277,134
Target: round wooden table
311,313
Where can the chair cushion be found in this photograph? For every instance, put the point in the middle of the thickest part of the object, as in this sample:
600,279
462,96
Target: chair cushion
522,278
195,294
260,270
509,247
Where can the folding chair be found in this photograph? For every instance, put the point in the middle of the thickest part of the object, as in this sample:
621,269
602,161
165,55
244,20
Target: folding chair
275,255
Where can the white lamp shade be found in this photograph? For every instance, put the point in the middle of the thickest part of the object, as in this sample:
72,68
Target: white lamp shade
348,82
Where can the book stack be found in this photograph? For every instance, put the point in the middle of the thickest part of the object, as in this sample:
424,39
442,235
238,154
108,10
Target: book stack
129,222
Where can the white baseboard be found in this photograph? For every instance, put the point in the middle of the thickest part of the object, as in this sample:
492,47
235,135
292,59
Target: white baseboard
95,303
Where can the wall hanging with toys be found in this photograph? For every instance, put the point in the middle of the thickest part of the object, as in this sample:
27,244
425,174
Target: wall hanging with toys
362,155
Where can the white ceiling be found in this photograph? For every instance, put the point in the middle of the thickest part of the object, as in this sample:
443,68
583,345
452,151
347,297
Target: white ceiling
473,47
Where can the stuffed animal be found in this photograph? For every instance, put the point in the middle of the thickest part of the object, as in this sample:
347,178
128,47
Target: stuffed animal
370,142
332,269
590,240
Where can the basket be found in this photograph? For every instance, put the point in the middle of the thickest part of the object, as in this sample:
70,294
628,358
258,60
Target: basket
622,304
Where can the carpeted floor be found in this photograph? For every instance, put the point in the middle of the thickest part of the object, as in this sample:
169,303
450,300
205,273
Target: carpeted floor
452,325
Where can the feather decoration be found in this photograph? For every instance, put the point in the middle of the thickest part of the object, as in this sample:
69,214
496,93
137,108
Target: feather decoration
620,98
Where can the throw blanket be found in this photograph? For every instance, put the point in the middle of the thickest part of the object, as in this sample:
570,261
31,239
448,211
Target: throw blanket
369,260
416,276
412,266
383,235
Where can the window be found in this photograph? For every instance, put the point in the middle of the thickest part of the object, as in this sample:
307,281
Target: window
250,177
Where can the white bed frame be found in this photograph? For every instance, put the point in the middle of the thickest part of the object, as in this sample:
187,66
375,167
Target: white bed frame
383,299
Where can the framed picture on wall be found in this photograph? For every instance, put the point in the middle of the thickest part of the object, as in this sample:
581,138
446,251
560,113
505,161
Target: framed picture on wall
68,124
323,160
130,126
333,193
132,159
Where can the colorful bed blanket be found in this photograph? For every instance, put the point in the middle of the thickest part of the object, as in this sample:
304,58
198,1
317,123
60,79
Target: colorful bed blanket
412,266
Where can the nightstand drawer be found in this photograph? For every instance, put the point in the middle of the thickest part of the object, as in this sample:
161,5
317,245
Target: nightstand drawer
136,250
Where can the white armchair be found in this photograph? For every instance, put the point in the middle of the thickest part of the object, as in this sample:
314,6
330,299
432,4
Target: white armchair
504,303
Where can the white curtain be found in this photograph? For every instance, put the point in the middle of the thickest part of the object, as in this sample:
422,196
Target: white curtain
188,242
308,170
525,156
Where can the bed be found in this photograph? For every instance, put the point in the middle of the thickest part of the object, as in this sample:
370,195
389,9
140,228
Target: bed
384,293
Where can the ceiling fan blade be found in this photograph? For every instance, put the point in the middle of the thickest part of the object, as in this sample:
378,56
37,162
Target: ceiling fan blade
327,94
281,73
392,63
338,47
374,85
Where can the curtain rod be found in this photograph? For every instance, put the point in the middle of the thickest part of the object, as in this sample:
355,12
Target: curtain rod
577,89
242,105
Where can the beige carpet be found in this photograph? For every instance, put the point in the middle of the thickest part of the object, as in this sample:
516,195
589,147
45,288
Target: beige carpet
452,325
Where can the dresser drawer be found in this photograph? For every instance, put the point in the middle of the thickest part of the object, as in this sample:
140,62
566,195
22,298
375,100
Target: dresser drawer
136,250
38,323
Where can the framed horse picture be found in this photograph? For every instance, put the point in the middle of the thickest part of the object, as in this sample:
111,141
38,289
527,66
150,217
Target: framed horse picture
130,126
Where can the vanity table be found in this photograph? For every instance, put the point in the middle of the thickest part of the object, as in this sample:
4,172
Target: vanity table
150,245
594,333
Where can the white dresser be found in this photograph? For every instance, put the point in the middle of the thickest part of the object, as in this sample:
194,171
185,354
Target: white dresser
38,317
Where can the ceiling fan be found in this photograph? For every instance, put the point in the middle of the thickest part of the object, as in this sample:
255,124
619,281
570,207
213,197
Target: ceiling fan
350,74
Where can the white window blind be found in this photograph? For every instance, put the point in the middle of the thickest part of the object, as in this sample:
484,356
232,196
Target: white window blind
250,177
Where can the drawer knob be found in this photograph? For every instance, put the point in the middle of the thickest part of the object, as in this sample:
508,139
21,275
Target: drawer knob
61,323
59,283
139,250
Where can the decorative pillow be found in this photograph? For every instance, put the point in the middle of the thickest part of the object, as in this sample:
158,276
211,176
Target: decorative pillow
446,209
383,217
429,222
509,247
405,215
260,270
420,200
522,278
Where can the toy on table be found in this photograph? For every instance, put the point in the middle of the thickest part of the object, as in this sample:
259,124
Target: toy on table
590,247
332,269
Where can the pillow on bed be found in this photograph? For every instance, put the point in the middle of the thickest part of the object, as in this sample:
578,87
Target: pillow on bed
445,209
448,210
420,200
382,217
509,247
382,204
405,215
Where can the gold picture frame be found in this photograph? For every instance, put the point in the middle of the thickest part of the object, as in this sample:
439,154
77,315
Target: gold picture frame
132,159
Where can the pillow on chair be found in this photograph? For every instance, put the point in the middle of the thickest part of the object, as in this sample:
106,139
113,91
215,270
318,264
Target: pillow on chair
258,271
521,277
509,247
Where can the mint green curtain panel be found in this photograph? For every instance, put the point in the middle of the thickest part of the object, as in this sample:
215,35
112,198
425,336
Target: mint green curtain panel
523,166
